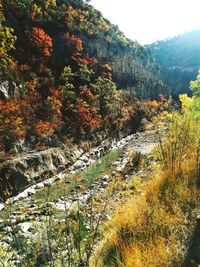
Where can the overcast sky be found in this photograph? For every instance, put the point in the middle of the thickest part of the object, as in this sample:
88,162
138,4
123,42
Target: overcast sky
150,20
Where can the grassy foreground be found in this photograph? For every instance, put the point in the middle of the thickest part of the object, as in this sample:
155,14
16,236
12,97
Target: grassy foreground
155,227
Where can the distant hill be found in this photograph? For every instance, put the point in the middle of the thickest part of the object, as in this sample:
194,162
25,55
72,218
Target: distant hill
179,58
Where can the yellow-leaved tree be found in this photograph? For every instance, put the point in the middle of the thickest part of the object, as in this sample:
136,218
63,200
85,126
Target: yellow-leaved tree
7,44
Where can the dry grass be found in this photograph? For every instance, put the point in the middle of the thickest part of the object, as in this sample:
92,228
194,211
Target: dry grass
150,230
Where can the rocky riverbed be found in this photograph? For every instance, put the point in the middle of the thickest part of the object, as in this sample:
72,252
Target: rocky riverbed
93,186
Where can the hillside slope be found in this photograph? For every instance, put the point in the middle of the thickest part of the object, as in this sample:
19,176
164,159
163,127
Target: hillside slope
133,66
179,58
67,61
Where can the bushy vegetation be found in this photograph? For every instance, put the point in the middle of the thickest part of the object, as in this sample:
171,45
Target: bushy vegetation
153,229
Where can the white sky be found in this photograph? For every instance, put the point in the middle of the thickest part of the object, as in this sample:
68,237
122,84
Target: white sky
150,20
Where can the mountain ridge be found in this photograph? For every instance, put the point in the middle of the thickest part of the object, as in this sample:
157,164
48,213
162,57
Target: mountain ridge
179,58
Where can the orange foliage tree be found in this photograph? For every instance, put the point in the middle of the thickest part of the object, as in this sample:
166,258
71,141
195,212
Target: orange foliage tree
17,116
24,114
52,112
86,110
41,41
74,46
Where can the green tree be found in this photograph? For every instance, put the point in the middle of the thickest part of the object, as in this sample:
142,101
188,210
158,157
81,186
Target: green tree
85,73
66,79
106,92
195,86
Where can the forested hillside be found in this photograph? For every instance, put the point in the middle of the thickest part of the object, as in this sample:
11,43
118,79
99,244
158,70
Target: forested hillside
66,62
179,58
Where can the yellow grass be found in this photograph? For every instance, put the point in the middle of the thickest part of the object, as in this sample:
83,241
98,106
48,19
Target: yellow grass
150,229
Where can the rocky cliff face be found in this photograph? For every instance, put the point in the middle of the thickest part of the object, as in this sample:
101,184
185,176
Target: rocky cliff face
134,69
33,167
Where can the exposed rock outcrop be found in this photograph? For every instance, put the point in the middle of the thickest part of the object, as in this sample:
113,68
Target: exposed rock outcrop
133,69
18,173
46,167
7,89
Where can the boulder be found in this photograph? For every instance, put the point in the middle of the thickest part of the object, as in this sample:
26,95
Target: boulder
25,227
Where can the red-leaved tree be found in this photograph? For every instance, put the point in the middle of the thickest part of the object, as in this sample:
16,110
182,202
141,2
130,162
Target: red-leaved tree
41,41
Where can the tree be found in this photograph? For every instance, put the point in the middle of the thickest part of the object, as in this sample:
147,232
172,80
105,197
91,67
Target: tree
195,86
41,41
106,92
17,117
86,110
7,44
85,73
